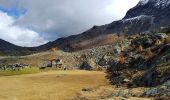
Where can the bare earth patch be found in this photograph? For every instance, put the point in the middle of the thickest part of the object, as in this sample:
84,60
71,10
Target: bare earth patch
53,85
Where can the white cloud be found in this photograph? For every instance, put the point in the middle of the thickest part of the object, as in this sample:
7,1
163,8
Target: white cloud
60,18
18,35
56,18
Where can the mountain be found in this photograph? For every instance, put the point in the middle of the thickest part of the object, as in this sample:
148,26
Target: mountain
152,13
7,48
147,15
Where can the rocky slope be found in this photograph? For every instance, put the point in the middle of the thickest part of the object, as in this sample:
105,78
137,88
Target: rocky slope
138,67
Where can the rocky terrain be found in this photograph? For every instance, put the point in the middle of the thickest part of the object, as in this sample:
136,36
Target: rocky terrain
139,69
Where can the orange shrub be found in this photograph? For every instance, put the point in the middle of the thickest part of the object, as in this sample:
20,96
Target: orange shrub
167,40
159,50
122,36
149,53
122,60
53,53
158,42
141,48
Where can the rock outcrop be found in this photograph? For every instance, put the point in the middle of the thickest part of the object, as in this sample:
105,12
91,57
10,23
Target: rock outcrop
144,63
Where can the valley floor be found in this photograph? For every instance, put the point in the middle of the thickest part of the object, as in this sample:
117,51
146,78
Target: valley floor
52,85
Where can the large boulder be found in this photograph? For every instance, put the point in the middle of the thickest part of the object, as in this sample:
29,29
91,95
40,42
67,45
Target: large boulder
44,64
85,66
153,77
161,92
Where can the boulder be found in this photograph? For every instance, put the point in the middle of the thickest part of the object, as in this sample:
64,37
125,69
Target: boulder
161,35
161,91
106,59
44,64
122,93
85,66
145,41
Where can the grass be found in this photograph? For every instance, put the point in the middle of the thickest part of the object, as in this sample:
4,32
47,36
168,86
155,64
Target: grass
52,85
20,72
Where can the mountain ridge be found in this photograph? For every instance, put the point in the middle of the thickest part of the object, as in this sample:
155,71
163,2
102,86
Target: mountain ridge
147,15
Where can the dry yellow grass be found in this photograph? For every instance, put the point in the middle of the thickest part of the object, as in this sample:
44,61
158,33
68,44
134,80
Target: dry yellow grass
53,85
98,41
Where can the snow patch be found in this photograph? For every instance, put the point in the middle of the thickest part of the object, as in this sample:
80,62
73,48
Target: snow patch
140,18
143,2
162,3
135,18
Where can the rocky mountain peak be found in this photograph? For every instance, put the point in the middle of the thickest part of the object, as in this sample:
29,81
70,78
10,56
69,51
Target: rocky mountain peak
154,8
156,3
143,2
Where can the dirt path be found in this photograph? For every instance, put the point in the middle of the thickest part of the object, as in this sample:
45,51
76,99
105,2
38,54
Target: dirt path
56,85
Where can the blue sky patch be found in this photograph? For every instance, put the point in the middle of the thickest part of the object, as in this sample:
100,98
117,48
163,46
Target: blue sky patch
14,12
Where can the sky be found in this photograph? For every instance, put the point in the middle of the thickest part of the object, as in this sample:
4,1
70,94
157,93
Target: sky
35,22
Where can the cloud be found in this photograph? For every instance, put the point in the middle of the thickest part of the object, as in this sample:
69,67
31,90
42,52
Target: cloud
56,18
18,35
61,18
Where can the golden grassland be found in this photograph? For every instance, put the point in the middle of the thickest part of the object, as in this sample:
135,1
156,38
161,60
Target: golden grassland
52,85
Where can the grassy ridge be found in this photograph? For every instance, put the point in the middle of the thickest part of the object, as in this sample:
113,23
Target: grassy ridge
20,72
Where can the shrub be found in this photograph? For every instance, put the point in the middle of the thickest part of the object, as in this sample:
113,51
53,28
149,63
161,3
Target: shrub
167,40
158,42
141,48
149,53
121,60
53,53
121,36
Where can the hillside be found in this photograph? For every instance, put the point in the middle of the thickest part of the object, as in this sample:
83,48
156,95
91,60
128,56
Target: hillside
7,48
137,66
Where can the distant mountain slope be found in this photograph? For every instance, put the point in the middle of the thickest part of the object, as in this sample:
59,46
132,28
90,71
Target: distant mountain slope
7,48
147,15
